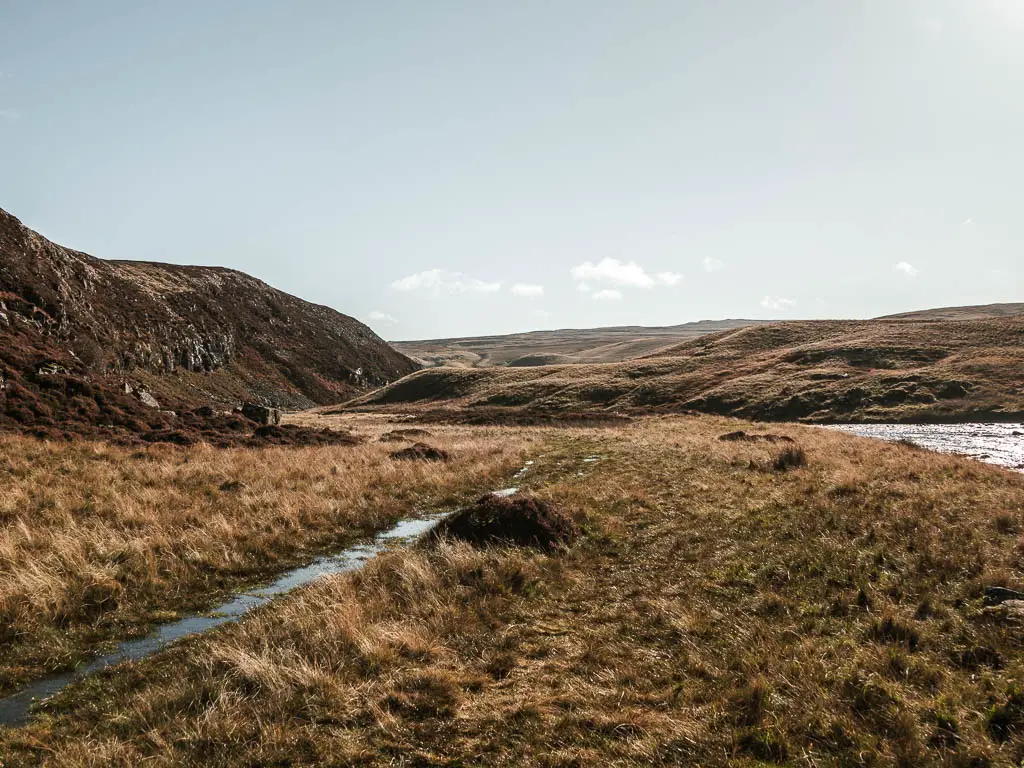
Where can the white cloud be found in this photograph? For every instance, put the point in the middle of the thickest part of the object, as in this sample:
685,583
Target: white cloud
907,270
437,281
620,273
777,303
608,294
383,317
528,290
967,222
543,314
10,115
713,265
613,271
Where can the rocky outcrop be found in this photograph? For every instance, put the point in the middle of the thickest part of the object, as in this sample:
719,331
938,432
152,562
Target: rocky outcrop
189,333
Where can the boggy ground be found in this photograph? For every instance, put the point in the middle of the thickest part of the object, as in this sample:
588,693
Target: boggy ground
716,611
99,541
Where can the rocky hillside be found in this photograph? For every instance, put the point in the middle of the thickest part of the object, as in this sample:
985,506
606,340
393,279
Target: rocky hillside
184,334
871,370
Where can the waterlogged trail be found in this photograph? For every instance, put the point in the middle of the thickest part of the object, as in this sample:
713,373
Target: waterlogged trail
15,709
1001,444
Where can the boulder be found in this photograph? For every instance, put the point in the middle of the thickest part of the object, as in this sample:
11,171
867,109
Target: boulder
261,414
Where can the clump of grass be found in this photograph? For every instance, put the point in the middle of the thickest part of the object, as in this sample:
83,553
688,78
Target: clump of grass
764,744
789,458
890,629
1005,719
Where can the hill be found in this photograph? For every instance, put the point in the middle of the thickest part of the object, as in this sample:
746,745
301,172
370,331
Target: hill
567,346
90,342
975,312
818,371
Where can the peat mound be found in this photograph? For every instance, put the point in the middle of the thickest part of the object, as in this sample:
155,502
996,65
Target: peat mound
522,521
421,452
522,417
745,437
403,435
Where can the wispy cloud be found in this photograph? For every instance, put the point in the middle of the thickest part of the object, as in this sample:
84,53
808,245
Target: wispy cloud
713,265
383,317
9,115
906,269
583,288
608,294
777,303
543,314
528,290
438,281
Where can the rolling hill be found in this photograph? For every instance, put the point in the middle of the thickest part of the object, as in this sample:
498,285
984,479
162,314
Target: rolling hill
888,369
567,346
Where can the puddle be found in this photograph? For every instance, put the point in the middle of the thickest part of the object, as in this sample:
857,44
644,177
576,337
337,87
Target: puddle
1001,444
14,710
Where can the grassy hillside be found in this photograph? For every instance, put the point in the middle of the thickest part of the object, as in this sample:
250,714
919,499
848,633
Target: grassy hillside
871,370
716,612
567,346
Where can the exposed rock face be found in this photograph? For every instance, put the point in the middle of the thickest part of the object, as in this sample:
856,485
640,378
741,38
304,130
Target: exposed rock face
261,414
164,324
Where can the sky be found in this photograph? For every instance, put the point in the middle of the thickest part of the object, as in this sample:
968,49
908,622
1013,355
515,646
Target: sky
468,167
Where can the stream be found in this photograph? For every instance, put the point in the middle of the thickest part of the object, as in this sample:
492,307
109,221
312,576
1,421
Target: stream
15,710
1001,444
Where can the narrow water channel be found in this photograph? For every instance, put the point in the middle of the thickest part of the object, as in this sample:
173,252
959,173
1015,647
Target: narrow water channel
15,710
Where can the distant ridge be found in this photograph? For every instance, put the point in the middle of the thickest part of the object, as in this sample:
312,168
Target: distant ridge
913,367
566,346
975,312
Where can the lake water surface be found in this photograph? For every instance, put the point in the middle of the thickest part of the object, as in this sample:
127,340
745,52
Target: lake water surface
1001,444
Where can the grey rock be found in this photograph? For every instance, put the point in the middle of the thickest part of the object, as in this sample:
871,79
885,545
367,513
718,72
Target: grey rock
261,414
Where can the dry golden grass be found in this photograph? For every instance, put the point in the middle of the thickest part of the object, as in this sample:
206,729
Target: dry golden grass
819,371
98,541
717,612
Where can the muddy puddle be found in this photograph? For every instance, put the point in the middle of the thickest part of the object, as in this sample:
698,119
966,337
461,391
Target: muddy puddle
15,710
1001,444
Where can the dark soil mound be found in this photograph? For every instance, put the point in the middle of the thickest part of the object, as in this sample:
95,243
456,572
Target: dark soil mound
293,435
421,452
520,417
402,435
518,521
743,437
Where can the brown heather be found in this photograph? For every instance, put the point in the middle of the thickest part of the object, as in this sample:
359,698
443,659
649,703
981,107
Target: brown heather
98,541
713,613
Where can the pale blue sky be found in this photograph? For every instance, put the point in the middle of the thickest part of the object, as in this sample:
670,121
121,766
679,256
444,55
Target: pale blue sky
455,168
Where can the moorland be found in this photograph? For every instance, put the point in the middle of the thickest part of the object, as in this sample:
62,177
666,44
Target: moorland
737,589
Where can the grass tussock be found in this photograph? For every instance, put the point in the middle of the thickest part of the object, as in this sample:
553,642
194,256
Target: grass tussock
708,616
98,541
